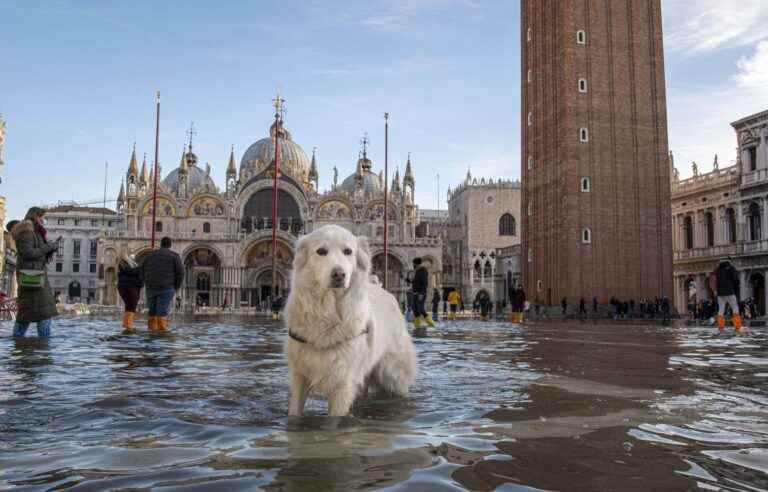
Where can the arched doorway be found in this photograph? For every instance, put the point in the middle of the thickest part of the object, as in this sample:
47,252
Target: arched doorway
691,295
395,274
202,273
74,292
258,288
757,282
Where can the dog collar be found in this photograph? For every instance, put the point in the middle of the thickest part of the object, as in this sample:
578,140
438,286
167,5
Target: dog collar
304,340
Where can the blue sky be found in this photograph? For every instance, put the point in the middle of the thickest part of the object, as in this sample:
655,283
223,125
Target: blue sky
77,81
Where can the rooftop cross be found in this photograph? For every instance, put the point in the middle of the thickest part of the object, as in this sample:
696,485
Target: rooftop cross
279,104
191,133
365,142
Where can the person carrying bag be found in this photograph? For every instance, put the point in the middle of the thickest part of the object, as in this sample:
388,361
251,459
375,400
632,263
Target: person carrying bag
35,302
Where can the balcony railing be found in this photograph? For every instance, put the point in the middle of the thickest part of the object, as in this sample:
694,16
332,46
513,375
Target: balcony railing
754,178
760,245
710,252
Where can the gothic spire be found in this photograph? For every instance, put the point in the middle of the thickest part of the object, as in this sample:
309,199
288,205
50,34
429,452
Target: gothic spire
132,168
408,177
144,178
121,195
231,168
313,167
183,167
396,181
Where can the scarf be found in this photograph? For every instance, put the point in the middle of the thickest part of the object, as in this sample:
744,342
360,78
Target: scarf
41,230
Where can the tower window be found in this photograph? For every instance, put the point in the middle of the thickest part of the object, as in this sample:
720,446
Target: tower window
581,37
584,135
530,255
583,85
530,118
530,162
158,226
530,34
539,286
530,208
530,75
585,184
586,236
207,227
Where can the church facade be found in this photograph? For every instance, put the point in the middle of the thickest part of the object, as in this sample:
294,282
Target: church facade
224,236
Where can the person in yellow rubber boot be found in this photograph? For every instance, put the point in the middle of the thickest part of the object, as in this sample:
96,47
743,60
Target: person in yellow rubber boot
163,273
453,301
724,281
129,284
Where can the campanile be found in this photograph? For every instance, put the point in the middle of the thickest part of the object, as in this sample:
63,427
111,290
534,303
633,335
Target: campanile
595,169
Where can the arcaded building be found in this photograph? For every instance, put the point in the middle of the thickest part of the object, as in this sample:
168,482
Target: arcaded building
596,196
722,215
224,236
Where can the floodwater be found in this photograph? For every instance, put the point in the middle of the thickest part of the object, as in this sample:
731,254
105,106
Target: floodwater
561,406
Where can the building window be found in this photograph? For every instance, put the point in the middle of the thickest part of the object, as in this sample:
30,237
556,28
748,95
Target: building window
111,223
539,286
75,267
94,247
77,222
507,225
752,153
730,224
61,221
586,235
688,232
530,162
94,223
582,85
755,217
207,228
530,75
530,208
158,226
530,118
59,266
92,267
530,255
584,135
709,223
585,184
76,248
530,34
581,37
60,252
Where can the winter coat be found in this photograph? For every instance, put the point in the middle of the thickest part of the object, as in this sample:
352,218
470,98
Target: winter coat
727,279
420,281
453,298
34,304
128,276
162,270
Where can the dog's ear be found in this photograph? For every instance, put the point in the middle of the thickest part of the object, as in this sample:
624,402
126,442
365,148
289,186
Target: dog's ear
363,255
302,254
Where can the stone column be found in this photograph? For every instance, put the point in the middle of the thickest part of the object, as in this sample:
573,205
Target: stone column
743,287
740,228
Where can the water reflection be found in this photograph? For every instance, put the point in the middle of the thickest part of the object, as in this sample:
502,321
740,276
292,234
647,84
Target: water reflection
495,407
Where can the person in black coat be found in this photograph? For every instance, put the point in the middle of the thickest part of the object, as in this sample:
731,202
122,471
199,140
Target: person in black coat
419,286
163,273
129,284
726,284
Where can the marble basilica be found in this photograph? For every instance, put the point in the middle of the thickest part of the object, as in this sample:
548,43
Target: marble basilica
224,236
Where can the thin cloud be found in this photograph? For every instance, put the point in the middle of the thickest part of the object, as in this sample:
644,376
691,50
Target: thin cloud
753,70
707,25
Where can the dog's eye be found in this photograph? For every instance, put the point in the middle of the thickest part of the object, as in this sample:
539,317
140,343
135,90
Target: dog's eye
347,251
322,251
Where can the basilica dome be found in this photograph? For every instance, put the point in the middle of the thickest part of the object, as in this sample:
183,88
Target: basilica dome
197,178
371,182
293,159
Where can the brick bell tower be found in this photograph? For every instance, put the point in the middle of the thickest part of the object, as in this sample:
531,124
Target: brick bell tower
595,170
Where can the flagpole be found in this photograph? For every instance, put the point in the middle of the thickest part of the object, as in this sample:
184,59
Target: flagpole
386,200
157,151
278,122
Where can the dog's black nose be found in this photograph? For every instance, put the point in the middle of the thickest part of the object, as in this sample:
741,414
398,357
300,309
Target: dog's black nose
338,275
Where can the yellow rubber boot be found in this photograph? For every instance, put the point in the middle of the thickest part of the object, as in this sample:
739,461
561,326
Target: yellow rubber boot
152,323
417,321
737,322
721,322
162,323
128,320
429,320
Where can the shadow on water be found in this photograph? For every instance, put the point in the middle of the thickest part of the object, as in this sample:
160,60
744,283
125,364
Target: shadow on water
496,406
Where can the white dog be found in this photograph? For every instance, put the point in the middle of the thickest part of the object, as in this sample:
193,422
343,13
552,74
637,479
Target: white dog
344,331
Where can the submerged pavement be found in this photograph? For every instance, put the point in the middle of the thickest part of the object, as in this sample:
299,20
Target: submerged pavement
561,406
